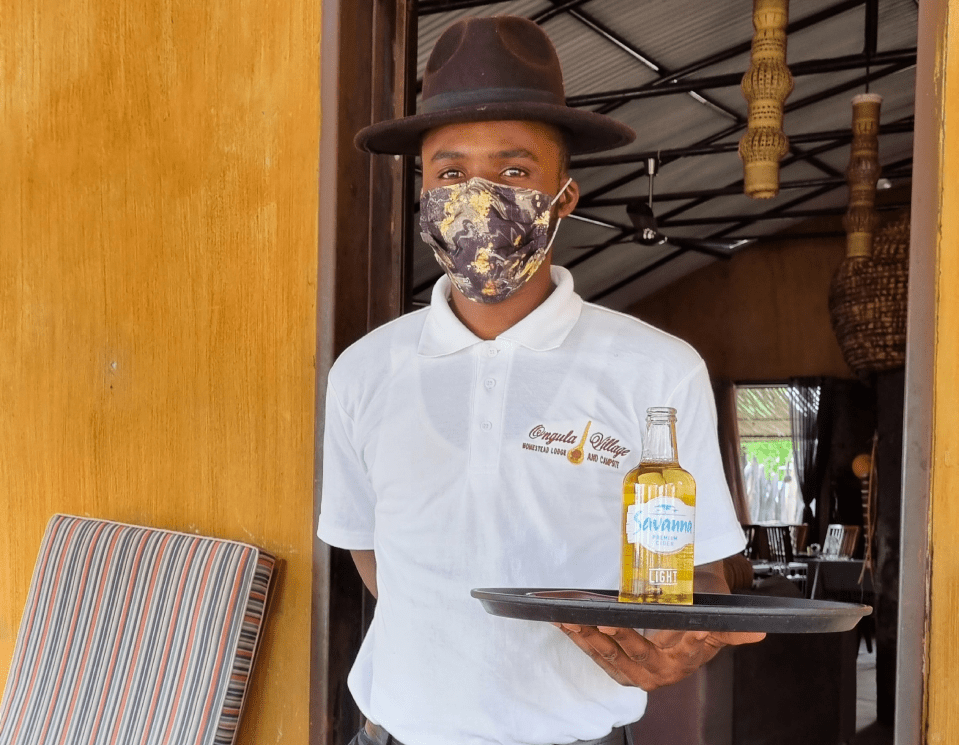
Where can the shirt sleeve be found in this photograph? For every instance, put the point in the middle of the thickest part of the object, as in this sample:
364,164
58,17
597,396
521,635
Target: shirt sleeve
718,532
347,501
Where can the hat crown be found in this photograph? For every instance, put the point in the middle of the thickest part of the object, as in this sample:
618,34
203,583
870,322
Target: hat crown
498,68
492,60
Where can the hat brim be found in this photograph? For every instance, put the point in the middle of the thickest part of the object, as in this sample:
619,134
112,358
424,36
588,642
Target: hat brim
586,131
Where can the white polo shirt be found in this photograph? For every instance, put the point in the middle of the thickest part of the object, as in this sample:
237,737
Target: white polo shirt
446,455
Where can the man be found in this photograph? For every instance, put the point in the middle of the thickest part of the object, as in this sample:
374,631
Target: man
449,430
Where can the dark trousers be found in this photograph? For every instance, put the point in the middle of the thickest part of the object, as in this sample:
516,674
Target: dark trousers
363,738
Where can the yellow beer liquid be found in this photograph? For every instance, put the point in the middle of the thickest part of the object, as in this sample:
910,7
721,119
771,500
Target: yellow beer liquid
649,576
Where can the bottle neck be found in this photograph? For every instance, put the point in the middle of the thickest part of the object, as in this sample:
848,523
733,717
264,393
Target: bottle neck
660,443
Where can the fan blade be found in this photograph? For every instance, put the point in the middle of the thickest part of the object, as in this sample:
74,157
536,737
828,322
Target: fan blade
720,248
600,245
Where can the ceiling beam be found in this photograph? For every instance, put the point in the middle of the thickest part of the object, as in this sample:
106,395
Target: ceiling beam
778,215
649,269
812,160
432,7
782,211
680,251
775,213
557,9
730,80
844,135
745,46
733,129
735,189
617,40
741,48
623,235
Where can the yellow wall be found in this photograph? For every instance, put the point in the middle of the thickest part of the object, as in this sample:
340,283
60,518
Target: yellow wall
762,315
943,667
158,206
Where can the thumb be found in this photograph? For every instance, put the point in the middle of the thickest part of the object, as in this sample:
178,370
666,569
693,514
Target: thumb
739,637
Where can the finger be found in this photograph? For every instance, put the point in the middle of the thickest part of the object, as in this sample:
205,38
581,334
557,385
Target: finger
666,638
647,665
576,636
698,648
670,648
639,662
690,652
606,644
634,645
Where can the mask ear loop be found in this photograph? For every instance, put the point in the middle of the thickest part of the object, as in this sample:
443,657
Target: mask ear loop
558,219
556,198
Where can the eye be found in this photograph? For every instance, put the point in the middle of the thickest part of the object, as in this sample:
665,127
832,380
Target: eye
450,173
514,172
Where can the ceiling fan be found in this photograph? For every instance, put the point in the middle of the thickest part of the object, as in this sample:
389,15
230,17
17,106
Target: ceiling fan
646,230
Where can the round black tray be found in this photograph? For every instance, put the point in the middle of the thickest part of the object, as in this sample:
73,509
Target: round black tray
707,613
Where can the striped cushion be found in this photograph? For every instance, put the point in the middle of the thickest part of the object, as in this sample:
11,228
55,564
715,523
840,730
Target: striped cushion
133,636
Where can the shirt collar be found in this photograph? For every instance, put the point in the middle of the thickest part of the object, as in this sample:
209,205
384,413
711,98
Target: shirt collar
543,329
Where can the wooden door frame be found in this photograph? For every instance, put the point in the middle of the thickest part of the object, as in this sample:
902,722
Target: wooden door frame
914,575
362,282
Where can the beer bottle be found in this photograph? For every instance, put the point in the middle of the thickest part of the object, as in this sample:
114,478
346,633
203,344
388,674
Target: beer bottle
659,505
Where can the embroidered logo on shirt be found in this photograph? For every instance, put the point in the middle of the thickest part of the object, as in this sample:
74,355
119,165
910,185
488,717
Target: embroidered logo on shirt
576,454
585,448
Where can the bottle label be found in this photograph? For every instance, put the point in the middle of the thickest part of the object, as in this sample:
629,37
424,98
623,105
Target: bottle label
663,524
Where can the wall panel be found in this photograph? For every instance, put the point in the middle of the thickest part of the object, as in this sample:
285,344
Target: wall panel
762,315
157,289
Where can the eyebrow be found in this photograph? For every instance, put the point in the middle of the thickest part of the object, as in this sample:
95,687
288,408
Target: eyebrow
502,155
517,153
446,155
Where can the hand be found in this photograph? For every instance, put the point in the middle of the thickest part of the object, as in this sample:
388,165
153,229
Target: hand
662,658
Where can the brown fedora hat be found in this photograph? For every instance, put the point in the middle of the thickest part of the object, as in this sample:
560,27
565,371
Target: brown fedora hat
500,67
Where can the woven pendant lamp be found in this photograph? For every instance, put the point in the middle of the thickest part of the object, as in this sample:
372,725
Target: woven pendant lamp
868,294
766,85
867,301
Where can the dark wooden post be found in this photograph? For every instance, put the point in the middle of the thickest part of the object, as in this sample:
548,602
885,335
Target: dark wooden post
364,227
890,389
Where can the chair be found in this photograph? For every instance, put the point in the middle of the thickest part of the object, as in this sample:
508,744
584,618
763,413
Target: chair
135,635
798,534
780,544
751,533
779,538
840,541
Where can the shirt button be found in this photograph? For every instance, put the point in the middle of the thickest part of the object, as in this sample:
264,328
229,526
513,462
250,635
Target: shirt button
492,351
489,383
487,426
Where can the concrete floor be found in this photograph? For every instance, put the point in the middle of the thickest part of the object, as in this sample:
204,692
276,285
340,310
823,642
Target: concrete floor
868,730
865,687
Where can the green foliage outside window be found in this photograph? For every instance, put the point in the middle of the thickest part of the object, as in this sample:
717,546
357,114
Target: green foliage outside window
773,454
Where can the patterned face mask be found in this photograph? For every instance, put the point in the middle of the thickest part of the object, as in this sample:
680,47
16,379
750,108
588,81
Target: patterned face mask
489,238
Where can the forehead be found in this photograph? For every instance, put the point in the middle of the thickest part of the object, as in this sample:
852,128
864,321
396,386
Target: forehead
543,142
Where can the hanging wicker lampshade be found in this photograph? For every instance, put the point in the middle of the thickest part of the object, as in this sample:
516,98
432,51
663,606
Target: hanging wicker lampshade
766,85
867,301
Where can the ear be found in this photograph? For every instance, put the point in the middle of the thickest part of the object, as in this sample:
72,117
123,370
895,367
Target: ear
568,199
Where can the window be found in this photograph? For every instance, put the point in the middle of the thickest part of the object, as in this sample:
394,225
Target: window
766,455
